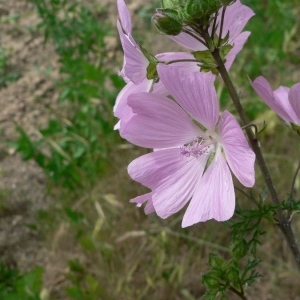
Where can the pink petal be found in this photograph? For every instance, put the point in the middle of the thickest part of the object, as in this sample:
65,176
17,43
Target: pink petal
279,105
239,155
214,196
188,67
195,92
282,98
124,16
294,97
149,208
135,63
159,122
130,88
188,41
238,45
171,177
236,17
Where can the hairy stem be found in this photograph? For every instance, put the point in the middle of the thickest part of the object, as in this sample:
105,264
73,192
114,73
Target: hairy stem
283,221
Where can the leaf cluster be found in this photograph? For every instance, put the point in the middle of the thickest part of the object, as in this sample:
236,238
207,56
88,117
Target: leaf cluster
228,275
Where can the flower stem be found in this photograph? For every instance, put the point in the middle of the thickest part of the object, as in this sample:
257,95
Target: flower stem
240,294
283,221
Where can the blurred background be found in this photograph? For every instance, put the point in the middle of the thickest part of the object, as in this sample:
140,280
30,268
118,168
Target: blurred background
67,229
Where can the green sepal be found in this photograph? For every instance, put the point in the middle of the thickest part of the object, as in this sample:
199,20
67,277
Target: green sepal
227,2
239,248
211,280
153,61
169,22
199,11
152,71
204,56
232,275
225,50
149,56
296,128
225,40
215,261
170,3
209,68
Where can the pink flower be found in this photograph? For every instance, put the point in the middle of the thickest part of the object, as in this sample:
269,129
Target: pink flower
236,17
135,66
191,163
284,101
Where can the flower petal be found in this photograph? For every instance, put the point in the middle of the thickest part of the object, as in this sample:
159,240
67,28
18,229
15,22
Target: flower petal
124,16
149,208
195,92
188,67
214,196
171,177
188,41
236,17
278,104
135,63
129,88
238,45
158,122
239,155
294,97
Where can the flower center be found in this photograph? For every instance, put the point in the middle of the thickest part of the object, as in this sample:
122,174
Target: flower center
198,147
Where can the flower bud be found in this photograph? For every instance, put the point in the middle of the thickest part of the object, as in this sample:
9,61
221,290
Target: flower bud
167,21
199,11
170,3
227,2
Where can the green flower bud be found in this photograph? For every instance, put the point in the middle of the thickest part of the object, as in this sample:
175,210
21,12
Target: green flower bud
227,2
199,11
239,248
210,281
232,275
215,261
170,3
167,21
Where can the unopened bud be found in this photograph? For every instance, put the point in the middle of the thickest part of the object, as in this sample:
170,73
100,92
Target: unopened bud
199,11
167,21
227,2
170,3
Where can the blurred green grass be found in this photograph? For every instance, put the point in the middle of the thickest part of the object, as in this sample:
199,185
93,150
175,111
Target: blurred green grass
121,253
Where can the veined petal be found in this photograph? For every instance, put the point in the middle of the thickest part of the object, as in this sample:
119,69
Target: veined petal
158,122
171,177
263,89
124,16
188,67
188,41
294,97
149,208
239,155
282,99
214,196
135,63
238,45
236,17
129,88
194,92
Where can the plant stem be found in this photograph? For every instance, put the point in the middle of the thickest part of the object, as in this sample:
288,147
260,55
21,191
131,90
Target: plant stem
283,221
241,295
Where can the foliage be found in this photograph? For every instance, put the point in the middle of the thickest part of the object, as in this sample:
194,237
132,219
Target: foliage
14,286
